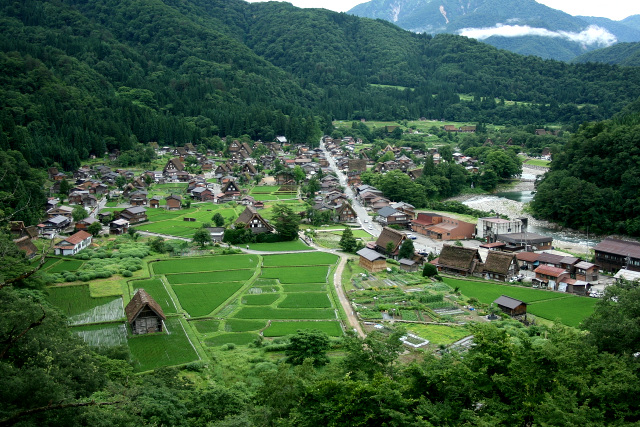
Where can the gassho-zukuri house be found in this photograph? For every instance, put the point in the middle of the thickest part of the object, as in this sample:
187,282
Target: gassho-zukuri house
144,314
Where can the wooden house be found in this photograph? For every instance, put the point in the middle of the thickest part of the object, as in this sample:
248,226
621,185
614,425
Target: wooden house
55,224
511,306
154,202
144,314
84,224
345,213
459,260
500,266
174,202
134,215
371,260
203,194
549,277
390,238
172,167
586,271
25,244
408,264
614,254
231,189
119,226
254,221
73,244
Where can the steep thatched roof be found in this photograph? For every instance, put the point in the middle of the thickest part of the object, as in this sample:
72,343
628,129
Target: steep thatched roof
249,214
498,262
459,258
139,301
389,235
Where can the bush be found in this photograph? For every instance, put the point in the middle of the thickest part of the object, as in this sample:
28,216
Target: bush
429,270
197,366
127,273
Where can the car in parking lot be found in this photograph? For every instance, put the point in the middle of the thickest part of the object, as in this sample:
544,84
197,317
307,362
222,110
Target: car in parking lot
370,227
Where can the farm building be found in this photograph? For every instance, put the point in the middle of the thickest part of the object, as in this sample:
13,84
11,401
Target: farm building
73,244
511,306
458,260
371,260
253,220
408,264
500,265
144,314
174,202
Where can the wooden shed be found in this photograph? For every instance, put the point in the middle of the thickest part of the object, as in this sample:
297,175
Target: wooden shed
371,260
144,314
511,306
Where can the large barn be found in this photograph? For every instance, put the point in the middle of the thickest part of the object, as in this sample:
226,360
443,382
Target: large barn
144,314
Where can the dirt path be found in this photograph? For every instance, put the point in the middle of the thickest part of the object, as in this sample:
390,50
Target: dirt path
344,301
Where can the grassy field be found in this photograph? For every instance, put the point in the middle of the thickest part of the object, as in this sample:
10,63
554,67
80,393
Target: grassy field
156,289
260,299
210,277
214,263
241,325
310,258
48,262
294,245
285,313
278,329
306,300
152,351
172,222
538,162
232,338
77,303
570,309
264,189
104,288
315,274
109,335
200,299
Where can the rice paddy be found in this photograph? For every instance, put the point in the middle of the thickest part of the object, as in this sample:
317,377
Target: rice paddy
314,274
80,308
210,277
306,300
200,299
214,263
231,338
307,258
158,292
278,329
285,313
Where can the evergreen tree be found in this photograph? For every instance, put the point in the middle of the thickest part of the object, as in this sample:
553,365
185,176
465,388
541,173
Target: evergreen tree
406,250
347,241
286,222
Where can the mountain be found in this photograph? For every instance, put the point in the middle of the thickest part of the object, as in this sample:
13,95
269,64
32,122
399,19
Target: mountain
82,78
521,26
627,54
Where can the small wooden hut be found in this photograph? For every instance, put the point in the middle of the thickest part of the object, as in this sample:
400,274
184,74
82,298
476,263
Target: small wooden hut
511,306
144,314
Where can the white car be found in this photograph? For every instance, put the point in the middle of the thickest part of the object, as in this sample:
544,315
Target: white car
366,220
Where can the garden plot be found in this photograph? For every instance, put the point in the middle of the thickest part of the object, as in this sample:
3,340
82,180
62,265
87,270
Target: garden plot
214,263
172,347
279,329
308,258
80,308
200,299
102,335
156,289
315,274
210,277
306,300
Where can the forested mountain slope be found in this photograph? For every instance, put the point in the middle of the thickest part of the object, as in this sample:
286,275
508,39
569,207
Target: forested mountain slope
627,54
595,182
81,78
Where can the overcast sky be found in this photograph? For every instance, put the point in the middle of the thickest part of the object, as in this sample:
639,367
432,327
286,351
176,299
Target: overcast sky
612,9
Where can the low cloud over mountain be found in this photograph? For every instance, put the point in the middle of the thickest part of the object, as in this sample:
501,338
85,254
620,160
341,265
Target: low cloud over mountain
593,35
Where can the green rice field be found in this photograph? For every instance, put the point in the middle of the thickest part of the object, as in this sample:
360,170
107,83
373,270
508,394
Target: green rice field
278,329
200,299
241,325
109,335
571,311
152,351
315,274
306,300
156,289
294,245
307,258
214,263
65,265
210,277
260,299
264,189
232,338
285,313
306,287
81,308
439,334
206,326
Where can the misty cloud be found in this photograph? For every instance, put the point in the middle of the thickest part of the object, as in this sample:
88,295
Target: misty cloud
592,35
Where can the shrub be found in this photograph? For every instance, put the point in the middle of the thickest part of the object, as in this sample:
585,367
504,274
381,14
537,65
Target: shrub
429,270
127,273
197,366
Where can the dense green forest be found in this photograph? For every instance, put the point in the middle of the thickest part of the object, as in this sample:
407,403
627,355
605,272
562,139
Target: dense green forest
627,54
81,78
595,181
